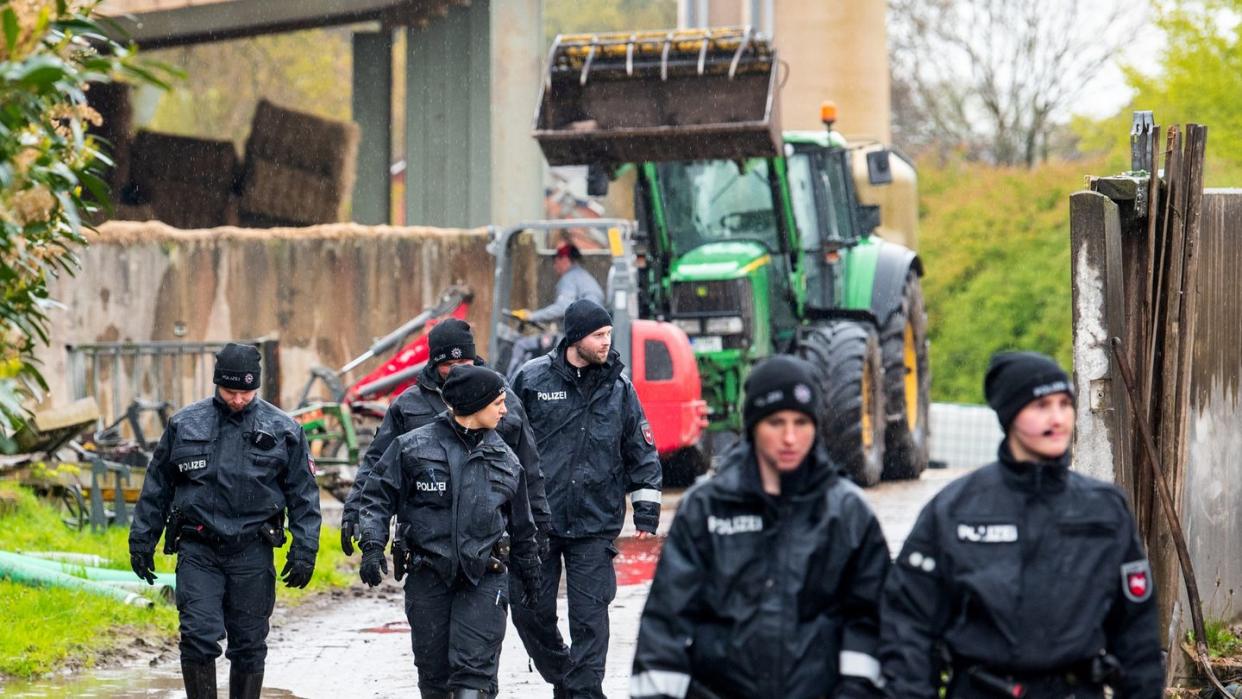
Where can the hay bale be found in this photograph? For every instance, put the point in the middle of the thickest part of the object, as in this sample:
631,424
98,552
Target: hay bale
133,212
187,182
299,168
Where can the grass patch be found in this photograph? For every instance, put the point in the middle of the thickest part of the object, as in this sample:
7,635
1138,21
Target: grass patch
1222,641
42,629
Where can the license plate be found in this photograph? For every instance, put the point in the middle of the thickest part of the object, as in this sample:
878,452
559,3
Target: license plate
707,343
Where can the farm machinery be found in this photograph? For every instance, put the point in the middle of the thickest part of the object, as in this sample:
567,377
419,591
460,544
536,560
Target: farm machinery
750,240
339,419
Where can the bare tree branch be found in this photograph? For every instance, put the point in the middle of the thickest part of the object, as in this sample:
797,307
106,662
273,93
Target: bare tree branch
990,77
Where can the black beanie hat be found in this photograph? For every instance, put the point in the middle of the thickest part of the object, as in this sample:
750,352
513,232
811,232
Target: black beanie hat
1017,378
450,339
781,382
469,388
584,317
237,367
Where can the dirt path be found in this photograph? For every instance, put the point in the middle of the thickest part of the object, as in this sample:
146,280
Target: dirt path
355,642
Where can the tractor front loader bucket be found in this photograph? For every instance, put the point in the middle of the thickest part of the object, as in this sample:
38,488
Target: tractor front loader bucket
658,96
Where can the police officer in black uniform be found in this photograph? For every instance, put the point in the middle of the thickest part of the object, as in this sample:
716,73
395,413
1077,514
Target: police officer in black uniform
1024,578
220,480
451,344
595,446
460,497
769,584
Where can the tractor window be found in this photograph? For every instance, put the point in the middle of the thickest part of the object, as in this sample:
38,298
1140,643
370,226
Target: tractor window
802,191
713,200
834,173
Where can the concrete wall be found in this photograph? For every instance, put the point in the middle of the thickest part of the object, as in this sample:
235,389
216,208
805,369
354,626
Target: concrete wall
326,292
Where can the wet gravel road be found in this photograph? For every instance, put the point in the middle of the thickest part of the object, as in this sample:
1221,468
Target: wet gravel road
355,642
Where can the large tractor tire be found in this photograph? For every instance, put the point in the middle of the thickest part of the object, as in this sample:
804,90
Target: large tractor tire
852,424
907,384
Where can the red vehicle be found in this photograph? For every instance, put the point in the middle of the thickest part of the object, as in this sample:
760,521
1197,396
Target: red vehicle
657,355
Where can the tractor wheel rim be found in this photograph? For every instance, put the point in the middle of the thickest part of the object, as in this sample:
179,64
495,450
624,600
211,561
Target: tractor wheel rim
910,358
867,437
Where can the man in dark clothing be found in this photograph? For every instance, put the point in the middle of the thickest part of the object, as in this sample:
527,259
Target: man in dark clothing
457,490
770,582
220,481
451,344
1024,578
596,446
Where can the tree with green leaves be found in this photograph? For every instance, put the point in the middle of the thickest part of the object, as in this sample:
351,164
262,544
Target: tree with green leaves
1197,77
50,171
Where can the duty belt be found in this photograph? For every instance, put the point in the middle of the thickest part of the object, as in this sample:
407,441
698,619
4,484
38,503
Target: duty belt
1093,674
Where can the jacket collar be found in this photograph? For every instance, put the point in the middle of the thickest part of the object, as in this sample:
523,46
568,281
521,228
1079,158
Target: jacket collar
741,477
429,377
223,410
1034,477
489,440
612,368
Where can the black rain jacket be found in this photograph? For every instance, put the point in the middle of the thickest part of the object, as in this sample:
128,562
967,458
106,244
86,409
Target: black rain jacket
208,468
765,596
419,405
457,500
1022,568
595,445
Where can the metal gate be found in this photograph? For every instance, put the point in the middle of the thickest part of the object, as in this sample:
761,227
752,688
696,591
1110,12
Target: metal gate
178,373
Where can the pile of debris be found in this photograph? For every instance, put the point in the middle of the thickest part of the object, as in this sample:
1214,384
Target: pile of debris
298,170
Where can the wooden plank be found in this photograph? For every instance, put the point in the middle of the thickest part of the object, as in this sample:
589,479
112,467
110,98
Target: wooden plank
1195,147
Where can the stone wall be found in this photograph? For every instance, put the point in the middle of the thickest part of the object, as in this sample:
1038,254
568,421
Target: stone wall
326,292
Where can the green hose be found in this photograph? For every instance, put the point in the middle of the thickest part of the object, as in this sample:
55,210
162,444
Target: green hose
91,572
14,568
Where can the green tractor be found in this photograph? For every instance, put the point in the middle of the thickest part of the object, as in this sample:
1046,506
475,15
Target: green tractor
754,241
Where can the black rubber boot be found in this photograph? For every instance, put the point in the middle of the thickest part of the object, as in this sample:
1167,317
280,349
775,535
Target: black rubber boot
245,685
559,692
471,694
435,694
199,679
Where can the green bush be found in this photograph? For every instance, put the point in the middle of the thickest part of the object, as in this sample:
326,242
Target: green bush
995,245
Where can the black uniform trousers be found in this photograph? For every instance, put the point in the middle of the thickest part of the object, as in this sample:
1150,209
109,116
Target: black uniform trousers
456,630
591,582
225,591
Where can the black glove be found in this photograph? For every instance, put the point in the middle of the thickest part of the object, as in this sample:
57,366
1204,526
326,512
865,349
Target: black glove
374,565
349,532
857,688
531,584
297,571
143,563
543,542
